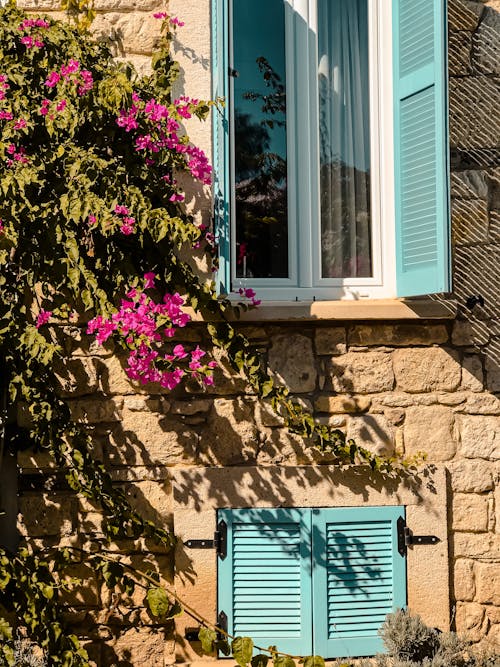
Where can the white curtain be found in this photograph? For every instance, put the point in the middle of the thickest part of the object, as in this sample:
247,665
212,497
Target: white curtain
344,138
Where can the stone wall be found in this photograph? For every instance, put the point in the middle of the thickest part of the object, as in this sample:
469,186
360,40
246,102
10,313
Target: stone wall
428,385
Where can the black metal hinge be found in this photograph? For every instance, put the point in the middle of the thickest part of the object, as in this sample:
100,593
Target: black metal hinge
219,543
407,539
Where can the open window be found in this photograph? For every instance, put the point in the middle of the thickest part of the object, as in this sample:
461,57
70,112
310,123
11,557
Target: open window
331,151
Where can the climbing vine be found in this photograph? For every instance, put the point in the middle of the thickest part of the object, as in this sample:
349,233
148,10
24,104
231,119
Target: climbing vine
93,228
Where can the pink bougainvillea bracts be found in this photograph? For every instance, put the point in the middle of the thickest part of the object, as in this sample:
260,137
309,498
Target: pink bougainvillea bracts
72,74
158,128
4,86
43,317
32,40
249,293
143,326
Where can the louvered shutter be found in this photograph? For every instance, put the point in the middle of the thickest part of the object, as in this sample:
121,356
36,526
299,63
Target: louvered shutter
220,131
358,578
421,147
264,582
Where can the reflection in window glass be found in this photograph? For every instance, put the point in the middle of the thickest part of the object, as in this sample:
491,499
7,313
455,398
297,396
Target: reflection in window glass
260,139
344,133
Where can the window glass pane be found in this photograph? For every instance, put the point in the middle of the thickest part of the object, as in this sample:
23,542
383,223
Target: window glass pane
260,139
344,133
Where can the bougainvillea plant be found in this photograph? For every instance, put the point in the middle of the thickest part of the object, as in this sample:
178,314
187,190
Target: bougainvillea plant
94,232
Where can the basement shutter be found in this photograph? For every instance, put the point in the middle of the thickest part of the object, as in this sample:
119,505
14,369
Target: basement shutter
220,129
421,147
358,578
264,582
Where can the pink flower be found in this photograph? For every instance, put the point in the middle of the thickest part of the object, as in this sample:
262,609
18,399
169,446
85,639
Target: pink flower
121,210
19,124
52,80
177,197
5,115
180,352
44,109
197,354
127,229
87,82
43,317
2,228
160,15
149,280
61,105
208,380
91,219
175,21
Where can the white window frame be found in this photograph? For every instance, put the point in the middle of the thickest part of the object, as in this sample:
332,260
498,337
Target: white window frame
305,283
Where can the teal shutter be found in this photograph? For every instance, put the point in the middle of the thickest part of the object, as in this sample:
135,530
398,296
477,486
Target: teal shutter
264,582
358,578
421,147
220,131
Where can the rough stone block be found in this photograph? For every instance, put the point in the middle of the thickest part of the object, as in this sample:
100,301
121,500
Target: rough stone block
154,439
459,53
476,545
470,620
471,476
470,333
486,43
112,376
492,365
153,500
463,15
474,101
432,369
472,373
135,32
46,515
479,436
398,334
469,184
482,404
231,435
470,512
342,404
331,340
469,221
429,429
488,583
291,359
86,591
96,410
77,377
138,646
464,584
373,432
360,372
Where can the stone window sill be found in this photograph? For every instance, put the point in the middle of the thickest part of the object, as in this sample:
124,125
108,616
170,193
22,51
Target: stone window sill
370,309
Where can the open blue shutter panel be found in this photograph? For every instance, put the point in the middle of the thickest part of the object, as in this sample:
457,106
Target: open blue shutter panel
264,582
421,147
358,578
220,129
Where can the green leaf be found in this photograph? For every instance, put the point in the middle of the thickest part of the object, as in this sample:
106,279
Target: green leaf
5,629
283,661
242,648
207,638
260,660
158,603
314,661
